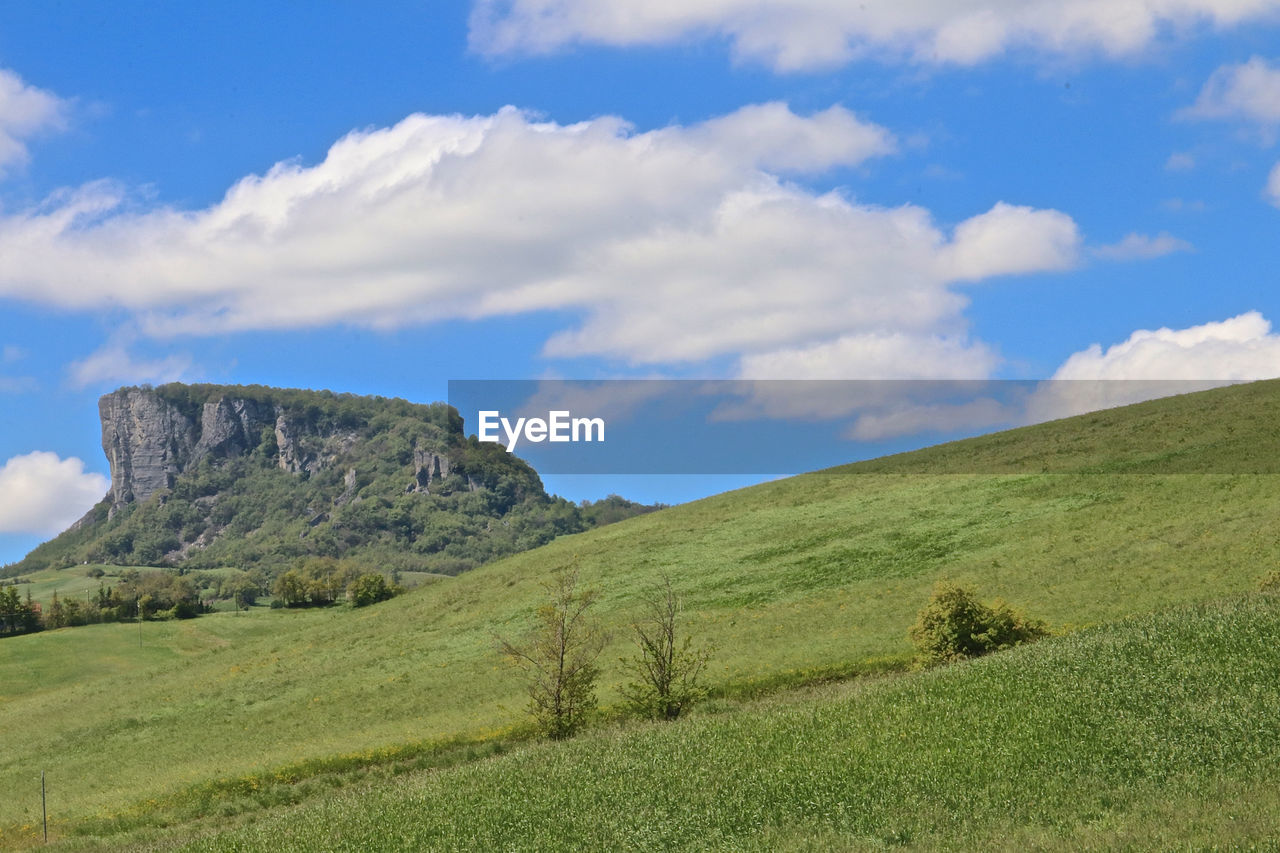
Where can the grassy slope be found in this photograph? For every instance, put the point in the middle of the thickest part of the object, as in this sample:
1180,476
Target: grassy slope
823,570
73,581
1159,732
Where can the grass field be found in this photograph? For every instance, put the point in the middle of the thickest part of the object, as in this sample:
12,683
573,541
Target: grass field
77,582
1078,522
72,582
1156,733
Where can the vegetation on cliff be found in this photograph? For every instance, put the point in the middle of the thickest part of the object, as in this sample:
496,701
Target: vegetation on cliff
205,476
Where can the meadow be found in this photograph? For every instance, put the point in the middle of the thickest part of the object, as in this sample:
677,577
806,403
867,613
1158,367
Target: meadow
1082,523
80,582
1154,733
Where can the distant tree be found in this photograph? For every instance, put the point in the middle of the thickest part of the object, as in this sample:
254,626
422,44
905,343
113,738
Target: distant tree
55,616
954,625
291,588
559,657
242,589
15,616
668,666
369,588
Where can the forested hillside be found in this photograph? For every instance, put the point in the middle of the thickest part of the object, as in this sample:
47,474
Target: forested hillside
205,476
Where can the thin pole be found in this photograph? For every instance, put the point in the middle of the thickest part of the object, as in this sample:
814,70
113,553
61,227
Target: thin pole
44,809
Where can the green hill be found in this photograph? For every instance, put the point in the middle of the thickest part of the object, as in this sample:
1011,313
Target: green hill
812,576
1159,732
207,476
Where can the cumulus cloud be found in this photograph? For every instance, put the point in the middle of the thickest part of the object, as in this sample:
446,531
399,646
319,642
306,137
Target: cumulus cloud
678,244
1135,247
1273,186
1248,92
882,355
24,112
113,364
1159,363
1240,348
42,494
794,35
1147,365
1180,161
1010,239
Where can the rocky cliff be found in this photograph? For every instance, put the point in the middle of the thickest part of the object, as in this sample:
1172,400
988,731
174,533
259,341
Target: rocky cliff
148,442
151,437
206,476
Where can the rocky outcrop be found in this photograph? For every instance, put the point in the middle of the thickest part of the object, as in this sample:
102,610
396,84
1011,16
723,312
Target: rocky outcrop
231,427
292,457
148,442
349,484
427,466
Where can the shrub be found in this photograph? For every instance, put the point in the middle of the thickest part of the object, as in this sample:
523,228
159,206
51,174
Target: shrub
954,625
559,657
1270,582
668,666
369,588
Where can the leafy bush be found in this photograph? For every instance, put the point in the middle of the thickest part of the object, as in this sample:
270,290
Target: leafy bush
1270,582
954,625
559,657
369,588
668,666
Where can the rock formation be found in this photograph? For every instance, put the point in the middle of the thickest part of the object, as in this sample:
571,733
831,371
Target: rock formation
148,442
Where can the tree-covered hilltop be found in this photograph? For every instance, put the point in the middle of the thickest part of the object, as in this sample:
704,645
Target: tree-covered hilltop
249,476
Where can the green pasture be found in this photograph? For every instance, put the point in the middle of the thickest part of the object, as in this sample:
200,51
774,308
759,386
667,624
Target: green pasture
790,581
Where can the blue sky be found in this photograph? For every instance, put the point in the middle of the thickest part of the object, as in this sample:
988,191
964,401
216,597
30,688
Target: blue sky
381,198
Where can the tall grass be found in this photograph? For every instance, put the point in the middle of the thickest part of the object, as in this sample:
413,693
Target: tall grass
1144,731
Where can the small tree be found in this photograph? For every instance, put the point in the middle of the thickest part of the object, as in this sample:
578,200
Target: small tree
369,588
954,625
667,667
559,657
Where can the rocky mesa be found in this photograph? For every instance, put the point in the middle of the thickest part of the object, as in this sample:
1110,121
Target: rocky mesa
210,475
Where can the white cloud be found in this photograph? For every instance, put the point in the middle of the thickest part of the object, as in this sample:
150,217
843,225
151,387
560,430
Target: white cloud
1135,247
1239,349
24,112
806,34
11,353
112,364
1008,239
678,244
978,414
1180,161
884,355
1182,205
42,494
1146,366
17,384
1248,92
1273,185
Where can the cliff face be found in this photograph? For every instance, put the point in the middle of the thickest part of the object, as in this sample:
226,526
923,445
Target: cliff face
147,441
208,476
150,441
